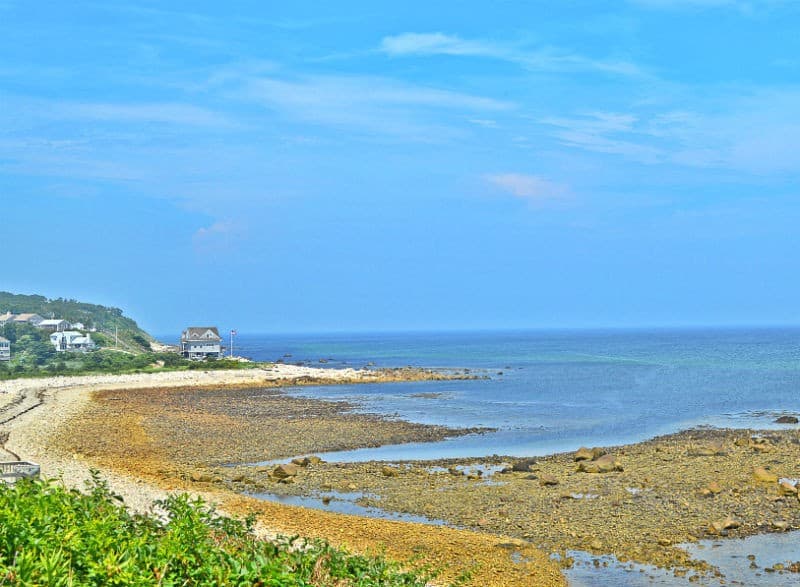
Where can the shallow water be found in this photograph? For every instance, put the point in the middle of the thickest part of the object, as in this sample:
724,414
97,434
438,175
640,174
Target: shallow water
729,556
559,389
344,503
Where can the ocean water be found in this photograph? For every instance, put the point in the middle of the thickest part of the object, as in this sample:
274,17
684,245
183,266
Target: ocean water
550,391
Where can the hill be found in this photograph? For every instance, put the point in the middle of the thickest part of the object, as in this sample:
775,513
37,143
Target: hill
103,318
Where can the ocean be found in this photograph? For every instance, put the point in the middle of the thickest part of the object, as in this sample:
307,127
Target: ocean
552,391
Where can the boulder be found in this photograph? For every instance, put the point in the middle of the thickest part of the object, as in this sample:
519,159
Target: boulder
546,480
604,464
389,471
583,454
761,475
711,489
285,471
720,526
780,525
787,420
787,488
523,466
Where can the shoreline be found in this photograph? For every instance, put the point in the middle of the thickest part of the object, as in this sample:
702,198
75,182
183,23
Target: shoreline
48,408
678,488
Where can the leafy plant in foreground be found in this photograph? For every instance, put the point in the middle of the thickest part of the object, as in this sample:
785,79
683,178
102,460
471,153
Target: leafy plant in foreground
51,535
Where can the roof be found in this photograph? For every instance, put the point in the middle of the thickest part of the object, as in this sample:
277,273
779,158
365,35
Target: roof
201,333
51,322
4,339
26,317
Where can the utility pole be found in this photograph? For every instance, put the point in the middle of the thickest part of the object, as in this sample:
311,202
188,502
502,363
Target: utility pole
233,333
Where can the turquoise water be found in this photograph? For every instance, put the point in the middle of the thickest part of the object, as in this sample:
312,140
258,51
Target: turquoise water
550,391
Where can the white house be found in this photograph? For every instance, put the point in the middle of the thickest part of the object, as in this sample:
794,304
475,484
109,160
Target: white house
56,325
201,342
5,349
69,340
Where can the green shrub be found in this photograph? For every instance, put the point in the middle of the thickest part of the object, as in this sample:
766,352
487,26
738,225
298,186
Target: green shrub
50,535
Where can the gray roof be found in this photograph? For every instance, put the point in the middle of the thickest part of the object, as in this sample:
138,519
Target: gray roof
200,333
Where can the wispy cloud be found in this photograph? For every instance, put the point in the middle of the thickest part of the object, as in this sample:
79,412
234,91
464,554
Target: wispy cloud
543,58
365,103
162,113
216,238
532,188
756,133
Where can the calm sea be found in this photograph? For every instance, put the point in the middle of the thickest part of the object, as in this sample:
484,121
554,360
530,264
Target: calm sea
552,391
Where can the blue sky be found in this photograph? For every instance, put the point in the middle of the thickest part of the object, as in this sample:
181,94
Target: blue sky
420,165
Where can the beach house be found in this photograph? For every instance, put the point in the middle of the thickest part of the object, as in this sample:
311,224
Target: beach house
72,341
56,325
33,319
201,342
5,349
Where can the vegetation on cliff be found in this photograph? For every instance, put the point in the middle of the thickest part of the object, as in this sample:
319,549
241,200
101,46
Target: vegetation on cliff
107,321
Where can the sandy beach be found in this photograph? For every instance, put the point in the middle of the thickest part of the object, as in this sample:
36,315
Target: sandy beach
64,424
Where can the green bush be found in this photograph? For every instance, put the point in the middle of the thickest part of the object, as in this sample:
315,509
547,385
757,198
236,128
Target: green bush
50,535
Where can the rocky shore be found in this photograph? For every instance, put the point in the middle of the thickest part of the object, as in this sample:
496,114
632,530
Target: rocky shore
638,502
155,434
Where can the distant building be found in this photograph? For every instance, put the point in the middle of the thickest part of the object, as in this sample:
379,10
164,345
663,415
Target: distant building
72,341
5,349
56,325
33,319
201,342
79,326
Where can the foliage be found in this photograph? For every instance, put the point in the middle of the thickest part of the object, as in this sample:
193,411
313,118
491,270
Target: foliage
103,318
50,535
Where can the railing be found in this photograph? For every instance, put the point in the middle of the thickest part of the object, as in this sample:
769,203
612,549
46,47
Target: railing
13,470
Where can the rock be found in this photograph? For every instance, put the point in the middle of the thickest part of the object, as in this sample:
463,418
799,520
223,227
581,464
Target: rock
200,477
786,488
547,480
711,450
301,461
285,471
597,452
596,545
787,420
762,447
780,525
605,464
583,454
742,441
314,460
664,542
523,466
761,475
389,471
352,487
720,526
455,471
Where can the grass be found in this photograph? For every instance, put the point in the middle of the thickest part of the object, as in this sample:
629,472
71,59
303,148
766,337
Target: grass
51,535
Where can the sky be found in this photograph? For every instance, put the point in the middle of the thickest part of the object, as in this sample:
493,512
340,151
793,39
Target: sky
361,166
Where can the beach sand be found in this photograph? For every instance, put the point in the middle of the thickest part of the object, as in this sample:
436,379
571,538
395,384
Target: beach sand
70,425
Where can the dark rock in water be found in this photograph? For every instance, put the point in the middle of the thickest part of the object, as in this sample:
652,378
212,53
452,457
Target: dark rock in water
787,420
523,466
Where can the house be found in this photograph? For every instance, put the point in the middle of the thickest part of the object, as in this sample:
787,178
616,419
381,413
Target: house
72,341
6,318
201,342
78,326
33,319
56,325
5,349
